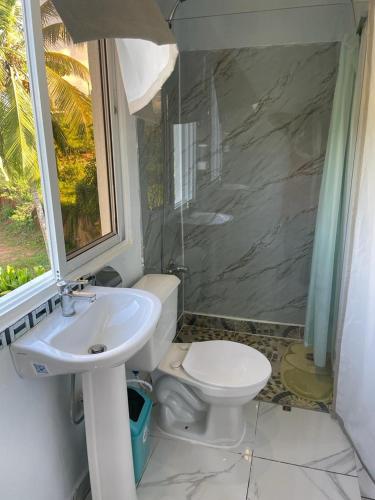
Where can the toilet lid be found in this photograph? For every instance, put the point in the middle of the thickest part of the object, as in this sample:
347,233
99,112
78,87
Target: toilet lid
226,364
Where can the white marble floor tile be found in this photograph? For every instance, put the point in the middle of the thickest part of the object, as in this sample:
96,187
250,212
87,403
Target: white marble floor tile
251,415
153,442
247,445
366,484
303,437
178,471
278,481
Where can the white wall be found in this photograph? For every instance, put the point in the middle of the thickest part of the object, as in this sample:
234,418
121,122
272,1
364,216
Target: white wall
43,455
219,24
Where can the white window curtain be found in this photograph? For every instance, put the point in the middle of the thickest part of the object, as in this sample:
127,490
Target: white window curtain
146,47
355,396
144,67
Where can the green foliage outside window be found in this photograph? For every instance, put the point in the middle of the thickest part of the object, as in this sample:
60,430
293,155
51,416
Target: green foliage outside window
11,278
22,217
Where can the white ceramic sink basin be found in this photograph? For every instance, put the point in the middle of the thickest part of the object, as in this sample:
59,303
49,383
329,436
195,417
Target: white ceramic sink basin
122,319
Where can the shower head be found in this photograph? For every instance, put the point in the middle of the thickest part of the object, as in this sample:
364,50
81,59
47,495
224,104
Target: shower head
173,12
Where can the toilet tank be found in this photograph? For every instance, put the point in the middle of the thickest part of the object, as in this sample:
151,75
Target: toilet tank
165,287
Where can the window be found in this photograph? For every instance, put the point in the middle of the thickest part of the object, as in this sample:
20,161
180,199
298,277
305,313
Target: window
60,177
185,160
78,93
23,232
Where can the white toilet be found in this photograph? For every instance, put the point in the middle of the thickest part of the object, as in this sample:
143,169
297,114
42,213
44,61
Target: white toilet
201,387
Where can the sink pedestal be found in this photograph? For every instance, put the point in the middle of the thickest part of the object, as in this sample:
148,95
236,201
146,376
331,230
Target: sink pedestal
108,437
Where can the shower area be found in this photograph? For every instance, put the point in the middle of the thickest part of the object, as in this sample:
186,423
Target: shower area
231,154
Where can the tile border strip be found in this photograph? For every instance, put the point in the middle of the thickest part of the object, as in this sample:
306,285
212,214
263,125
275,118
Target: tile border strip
28,321
35,316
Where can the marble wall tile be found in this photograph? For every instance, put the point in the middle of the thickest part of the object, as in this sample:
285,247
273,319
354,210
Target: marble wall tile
151,178
272,108
262,118
161,220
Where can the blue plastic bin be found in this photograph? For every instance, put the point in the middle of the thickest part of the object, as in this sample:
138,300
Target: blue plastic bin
140,406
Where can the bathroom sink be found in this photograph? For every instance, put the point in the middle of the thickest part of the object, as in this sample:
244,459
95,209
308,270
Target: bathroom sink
121,321
97,340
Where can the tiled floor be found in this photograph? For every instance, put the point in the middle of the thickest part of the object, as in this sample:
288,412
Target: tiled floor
296,455
366,485
286,455
272,347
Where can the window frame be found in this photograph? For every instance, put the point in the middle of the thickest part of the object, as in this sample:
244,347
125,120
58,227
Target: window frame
36,291
110,107
186,162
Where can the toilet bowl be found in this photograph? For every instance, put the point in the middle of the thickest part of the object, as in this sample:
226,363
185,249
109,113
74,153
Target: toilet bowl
201,387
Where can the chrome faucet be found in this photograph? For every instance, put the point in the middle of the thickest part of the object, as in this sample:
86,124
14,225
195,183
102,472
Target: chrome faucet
69,296
174,268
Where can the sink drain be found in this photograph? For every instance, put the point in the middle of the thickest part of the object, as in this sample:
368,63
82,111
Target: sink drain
97,348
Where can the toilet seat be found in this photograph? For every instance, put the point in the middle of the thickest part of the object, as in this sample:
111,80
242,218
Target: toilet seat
226,364
208,379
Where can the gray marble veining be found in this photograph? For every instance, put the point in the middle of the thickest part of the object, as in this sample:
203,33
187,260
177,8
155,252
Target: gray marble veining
180,470
261,117
274,107
161,222
305,438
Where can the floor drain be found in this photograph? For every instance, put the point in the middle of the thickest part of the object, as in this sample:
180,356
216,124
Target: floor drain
97,348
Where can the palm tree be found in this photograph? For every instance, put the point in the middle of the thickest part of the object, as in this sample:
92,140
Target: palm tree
69,105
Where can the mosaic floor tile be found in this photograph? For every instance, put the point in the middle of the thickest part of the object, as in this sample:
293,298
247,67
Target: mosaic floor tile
243,326
194,334
274,348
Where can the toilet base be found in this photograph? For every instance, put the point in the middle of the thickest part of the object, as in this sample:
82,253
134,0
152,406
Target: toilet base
181,413
187,435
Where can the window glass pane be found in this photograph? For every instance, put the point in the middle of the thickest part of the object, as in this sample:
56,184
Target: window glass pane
185,160
23,239
78,100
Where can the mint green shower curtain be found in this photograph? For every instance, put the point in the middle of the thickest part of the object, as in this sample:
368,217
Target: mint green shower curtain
335,188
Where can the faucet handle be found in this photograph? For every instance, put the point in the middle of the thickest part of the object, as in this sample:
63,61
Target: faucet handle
64,286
